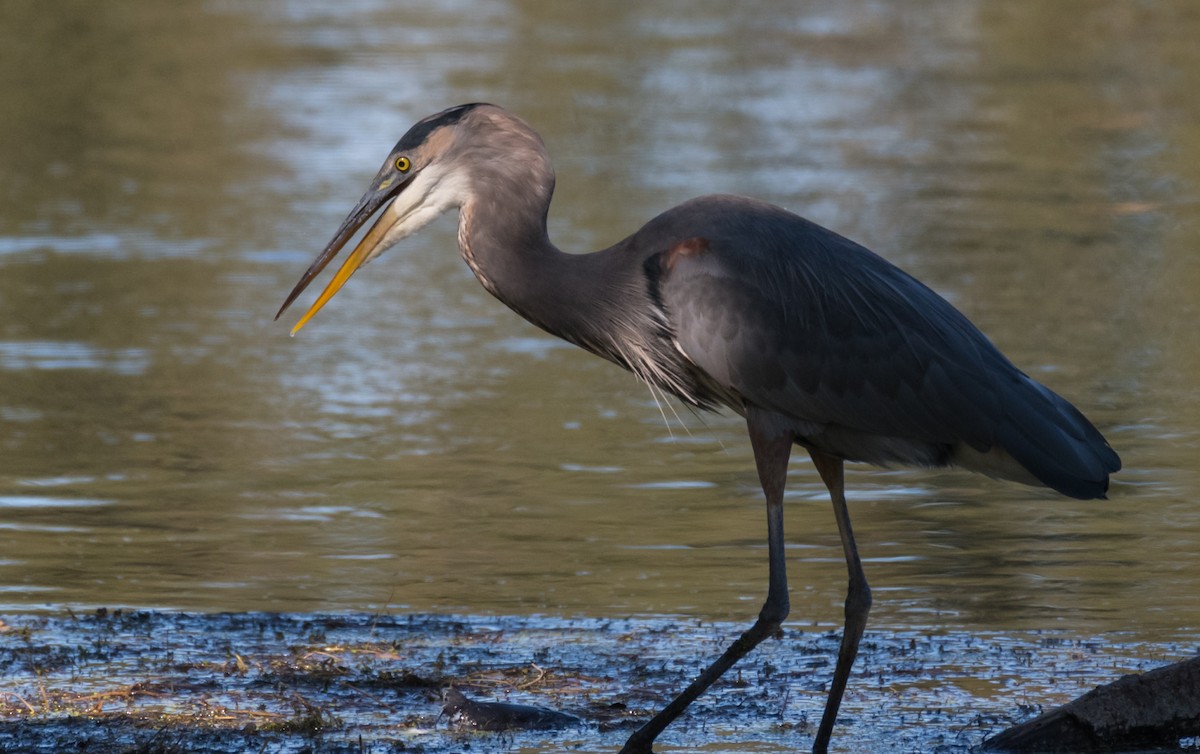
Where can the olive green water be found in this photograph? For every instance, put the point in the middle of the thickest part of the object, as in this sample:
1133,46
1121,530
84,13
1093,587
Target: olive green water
169,170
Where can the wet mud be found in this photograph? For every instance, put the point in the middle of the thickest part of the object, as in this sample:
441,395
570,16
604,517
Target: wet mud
120,681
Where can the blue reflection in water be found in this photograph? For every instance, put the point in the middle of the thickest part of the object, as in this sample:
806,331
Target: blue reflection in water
47,354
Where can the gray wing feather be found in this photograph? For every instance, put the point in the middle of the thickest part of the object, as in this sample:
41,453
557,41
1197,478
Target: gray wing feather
806,323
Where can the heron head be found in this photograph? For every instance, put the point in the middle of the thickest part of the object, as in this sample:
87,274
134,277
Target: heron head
422,177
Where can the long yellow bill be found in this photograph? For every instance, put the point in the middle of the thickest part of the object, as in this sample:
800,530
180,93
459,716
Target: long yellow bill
352,263
383,191
361,254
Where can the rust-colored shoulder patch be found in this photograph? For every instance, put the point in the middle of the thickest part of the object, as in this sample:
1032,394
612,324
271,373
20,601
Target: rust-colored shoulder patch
690,248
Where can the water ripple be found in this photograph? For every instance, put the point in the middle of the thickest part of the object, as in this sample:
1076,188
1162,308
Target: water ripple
37,501
52,355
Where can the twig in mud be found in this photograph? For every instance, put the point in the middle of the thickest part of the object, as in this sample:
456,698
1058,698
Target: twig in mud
372,697
527,684
21,699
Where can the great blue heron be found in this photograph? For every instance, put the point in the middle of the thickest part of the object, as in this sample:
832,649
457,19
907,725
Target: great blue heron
730,301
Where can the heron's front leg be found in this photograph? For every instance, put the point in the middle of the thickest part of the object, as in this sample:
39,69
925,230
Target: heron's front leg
858,597
771,451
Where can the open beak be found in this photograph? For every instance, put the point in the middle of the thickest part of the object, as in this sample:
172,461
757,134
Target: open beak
380,194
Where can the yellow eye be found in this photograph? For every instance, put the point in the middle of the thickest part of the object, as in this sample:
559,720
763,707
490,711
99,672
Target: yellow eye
403,164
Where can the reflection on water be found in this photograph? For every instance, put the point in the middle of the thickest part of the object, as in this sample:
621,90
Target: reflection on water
171,172
33,501
48,355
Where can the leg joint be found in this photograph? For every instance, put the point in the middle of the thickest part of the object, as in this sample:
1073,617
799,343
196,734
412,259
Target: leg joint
775,612
858,598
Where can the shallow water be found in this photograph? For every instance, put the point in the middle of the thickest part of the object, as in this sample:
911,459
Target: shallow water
171,172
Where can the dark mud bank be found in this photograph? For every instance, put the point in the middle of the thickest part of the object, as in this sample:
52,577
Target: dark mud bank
122,681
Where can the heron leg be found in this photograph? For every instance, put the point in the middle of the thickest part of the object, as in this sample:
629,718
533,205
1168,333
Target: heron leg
771,452
858,596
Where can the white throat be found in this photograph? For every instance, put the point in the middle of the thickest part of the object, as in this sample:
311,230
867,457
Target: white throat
432,192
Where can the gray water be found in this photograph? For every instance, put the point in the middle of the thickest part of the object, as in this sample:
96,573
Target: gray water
170,169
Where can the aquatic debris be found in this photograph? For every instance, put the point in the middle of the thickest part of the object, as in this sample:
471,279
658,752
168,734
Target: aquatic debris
501,716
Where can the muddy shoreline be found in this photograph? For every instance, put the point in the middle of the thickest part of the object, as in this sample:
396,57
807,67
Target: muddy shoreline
141,681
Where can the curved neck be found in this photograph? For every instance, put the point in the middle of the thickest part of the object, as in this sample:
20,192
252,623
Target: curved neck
599,301
506,245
